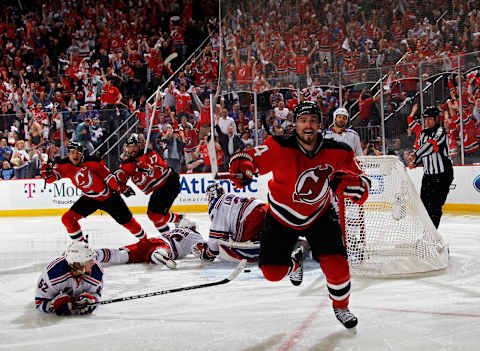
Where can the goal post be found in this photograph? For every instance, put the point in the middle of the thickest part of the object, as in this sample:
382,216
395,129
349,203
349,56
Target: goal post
391,234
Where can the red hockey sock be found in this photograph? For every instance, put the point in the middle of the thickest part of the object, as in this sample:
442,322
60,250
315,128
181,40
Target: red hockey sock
274,273
135,228
70,221
337,273
159,220
174,217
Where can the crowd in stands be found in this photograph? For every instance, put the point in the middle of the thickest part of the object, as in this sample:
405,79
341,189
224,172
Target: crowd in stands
76,70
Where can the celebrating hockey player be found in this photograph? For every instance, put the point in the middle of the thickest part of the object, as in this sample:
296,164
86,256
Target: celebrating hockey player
151,175
70,283
170,246
340,132
234,218
304,167
432,151
99,188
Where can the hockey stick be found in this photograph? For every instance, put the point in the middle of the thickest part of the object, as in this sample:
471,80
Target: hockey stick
228,279
228,175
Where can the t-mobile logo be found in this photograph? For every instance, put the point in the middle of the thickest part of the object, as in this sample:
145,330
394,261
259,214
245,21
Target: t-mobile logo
29,189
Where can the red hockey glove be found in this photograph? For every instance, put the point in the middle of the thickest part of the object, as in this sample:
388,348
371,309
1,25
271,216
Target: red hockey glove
350,185
241,163
144,165
61,305
83,304
48,173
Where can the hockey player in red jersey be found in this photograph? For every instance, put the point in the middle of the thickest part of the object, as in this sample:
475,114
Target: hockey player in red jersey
305,168
151,175
99,191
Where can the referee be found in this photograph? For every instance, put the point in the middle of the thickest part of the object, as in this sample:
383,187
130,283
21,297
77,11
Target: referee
432,151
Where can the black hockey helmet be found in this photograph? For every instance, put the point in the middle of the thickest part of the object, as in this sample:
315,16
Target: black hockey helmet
306,108
73,145
133,139
431,111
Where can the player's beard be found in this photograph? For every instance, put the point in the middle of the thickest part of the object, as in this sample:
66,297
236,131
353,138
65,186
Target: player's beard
310,139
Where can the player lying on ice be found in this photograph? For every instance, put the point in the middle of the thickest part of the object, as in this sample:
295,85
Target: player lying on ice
306,170
234,219
70,282
165,249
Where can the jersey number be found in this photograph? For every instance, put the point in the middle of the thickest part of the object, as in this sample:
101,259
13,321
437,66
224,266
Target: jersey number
260,149
43,286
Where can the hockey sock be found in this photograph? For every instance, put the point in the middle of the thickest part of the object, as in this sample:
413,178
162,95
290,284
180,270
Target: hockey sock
174,217
70,221
135,228
111,256
274,273
337,273
160,220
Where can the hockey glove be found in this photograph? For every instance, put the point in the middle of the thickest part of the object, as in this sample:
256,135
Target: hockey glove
241,163
83,304
202,251
48,174
61,305
128,191
143,165
350,185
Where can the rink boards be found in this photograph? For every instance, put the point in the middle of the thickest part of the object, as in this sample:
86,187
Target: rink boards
32,197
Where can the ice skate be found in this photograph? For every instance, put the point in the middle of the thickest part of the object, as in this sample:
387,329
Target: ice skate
296,272
345,317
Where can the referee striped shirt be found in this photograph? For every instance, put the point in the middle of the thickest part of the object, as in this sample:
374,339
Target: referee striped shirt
433,150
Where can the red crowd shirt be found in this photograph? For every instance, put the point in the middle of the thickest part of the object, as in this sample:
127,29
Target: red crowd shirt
110,94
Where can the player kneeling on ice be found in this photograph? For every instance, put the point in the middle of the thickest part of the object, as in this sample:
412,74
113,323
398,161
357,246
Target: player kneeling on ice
70,283
235,220
303,166
172,245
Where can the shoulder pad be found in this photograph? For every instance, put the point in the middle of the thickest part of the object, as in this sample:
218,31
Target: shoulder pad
286,140
333,144
92,158
96,272
57,268
350,130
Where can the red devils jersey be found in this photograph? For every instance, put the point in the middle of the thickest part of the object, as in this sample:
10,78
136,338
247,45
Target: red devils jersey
299,190
146,180
91,176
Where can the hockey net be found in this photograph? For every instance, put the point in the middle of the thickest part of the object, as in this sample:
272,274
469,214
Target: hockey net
391,234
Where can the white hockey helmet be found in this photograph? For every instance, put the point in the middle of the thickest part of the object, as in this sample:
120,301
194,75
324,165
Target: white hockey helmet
341,111
214,191
78,252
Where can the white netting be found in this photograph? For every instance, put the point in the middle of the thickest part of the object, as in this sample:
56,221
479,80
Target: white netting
391,234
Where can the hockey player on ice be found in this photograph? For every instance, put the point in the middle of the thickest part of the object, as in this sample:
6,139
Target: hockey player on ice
305,168
70,282
235,219
99,191
151,175
165,249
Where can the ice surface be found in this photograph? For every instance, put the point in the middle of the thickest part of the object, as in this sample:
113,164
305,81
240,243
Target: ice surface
438,311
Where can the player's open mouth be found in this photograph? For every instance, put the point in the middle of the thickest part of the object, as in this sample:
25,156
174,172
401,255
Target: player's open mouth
308,132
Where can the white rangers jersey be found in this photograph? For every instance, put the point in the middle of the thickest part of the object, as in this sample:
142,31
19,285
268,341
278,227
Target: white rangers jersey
228,214
348,136
181,241
56,278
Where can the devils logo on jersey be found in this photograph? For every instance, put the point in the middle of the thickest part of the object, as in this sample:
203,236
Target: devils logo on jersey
83,178
312,184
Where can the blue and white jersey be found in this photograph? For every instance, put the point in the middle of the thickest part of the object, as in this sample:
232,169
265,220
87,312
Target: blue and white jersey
181,241
347,136
227,214
56,278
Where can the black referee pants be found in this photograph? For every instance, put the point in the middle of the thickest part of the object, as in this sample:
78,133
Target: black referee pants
434,191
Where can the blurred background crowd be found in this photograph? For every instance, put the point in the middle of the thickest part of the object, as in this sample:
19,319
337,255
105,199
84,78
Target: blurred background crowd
86,71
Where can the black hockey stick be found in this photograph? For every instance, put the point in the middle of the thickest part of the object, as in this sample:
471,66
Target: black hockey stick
231,277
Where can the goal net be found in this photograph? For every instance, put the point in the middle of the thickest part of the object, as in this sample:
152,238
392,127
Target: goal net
391,234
